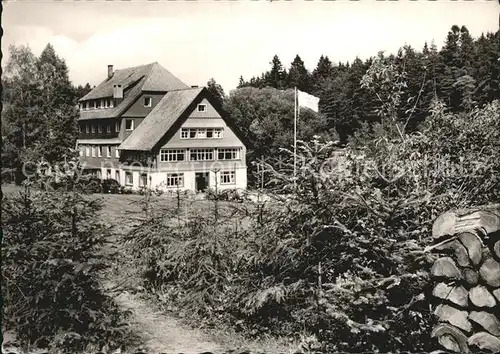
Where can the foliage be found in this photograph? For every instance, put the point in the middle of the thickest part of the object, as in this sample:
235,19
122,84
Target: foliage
51,261
462,74
337,255
39,118
265,118
216,90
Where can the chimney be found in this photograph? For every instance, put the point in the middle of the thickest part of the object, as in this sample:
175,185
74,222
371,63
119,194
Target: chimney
117,94
110,71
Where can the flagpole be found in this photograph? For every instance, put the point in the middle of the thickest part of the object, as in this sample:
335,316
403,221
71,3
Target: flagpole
295,138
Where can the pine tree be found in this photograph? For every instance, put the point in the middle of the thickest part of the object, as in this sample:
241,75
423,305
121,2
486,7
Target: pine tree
276,77
298,76
58,106
323,71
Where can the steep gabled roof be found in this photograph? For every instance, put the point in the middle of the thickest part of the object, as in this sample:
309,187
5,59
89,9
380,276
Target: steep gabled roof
157,79
135,80
131,95
160,120
167,117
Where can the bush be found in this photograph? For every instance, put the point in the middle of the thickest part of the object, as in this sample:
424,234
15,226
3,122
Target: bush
111,186
90,184
51,261
341,257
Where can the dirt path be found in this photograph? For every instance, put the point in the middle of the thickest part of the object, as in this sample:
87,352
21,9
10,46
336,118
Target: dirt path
160,332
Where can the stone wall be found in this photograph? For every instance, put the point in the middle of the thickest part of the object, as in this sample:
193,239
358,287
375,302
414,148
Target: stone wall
467,279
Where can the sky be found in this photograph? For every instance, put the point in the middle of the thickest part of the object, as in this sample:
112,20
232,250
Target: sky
200,39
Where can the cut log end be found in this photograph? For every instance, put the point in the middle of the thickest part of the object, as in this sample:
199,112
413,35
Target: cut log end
486,320
451,338
453,316
490,272
474,246
471,277
481,297
454,294
445,267
484,340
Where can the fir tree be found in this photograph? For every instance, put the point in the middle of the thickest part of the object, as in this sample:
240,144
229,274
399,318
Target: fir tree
298,75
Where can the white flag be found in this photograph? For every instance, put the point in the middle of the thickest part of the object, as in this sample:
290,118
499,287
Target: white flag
308,101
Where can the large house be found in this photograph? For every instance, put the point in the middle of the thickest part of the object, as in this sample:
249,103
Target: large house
145,128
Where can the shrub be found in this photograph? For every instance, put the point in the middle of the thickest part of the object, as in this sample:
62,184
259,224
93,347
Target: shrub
51,261
339,255
111,186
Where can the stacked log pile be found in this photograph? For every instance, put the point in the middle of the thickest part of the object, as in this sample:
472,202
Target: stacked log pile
467,280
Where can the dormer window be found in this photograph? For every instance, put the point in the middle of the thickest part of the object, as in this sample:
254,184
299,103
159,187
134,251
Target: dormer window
129,124
148,101
202,108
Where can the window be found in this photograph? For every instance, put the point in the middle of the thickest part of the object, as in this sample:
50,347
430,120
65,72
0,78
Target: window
117,153
82,150
201,133
148,101
99,128
117,175
79,128
99,151
218,133
87,151
93,151
108,174
201,154
170,155
98,173
108,128
93,128
228,154
129,180
202,108
117,127
108,151
87,128
129,124
102,103
227,177
175,179
110,103
143,181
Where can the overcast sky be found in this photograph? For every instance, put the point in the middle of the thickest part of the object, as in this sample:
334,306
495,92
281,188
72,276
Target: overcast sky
197,40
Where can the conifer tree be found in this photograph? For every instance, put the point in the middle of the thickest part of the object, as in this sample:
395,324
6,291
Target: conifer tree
298,75
276,77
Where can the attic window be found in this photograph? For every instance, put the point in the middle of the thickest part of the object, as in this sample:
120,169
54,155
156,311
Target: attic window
148,101
129,124
202,108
